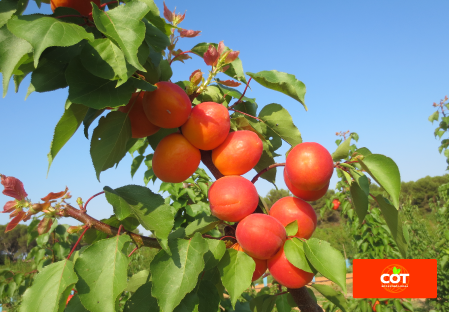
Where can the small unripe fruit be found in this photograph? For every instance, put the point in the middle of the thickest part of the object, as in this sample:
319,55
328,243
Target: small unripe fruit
304,194
260,235
286,273
239,153
168,106
175,159
309,166
208,125
289,209
261,265
140,125
232,198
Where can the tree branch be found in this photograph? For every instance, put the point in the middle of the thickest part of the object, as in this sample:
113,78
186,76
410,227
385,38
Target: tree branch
304,301
206,158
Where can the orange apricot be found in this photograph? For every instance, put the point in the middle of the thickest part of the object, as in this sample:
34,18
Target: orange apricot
175,159
168,106
261,265
286,273
208,125
82,6
305,194
260,235
289,209
238,154
140,125
309,166
232,198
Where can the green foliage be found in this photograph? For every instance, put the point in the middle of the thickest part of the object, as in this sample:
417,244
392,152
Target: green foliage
14,243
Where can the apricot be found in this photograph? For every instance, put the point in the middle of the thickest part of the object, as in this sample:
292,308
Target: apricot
175,159
82,6
208,125
168,106
261,265
260,235
336,204
232,198
309,166
140,125
286,273
304,194
239,153
289,209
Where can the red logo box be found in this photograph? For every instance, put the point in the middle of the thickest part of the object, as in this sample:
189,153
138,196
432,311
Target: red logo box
403,278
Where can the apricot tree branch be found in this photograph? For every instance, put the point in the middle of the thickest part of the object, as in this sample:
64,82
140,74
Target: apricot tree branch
206,158
265,170
304,301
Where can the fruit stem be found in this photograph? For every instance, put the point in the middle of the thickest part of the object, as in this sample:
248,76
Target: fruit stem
237,111
78,241
243,94
265,170
185,52
85,205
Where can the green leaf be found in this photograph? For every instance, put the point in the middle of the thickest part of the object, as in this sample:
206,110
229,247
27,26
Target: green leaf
282,303
175,276
158,136
434,117
7,10
202,225
363,151
102,272
91,115
213,256
394,223
142,84
342,150
236,271
360,201
48,76
142,300
93,91
43,32
326,260
65,129
49,289
294,251
136,164
194,210
265,161
123,25
138,280
208,296
292,228
109,141
147,207
282,82
155,38
13,52
22,72
189,303
75,305
166,71
263,303
332,295
385,171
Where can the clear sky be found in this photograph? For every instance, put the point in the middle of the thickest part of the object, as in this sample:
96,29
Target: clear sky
372,67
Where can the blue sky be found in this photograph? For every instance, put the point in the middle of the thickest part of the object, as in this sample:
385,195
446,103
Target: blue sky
374,68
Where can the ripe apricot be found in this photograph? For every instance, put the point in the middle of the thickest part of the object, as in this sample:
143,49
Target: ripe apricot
261,265
304,194
238,154
232,198
286,273
168,106
140,125
309,166
289,209
175,159
82,6
336,204
208,125
260,235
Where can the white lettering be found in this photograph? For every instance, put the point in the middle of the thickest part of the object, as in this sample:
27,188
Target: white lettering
395,278
382,278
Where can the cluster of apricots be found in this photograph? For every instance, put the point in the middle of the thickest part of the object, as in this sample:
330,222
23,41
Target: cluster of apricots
233,198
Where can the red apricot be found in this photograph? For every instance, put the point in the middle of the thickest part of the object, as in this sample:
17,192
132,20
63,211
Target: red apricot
286,273
208,125
261,265
260,235
82,6
305,194
289,209
239,153
168,106
336,204
140,125
309,166
232,198
175,159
